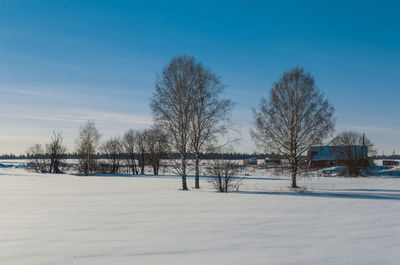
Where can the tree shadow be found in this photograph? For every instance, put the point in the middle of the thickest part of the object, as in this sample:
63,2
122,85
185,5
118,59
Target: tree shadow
333,194
169,176
370,190
129,176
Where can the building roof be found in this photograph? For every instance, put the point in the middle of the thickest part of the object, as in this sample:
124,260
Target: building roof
335,152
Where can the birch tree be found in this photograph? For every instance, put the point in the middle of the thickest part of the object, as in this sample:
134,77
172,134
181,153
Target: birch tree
129,145
172,107
113,152
295,116
210,113
141,147
56,151
157,146
86,147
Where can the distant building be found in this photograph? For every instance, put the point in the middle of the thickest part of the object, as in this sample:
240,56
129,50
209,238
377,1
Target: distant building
272,161
329,155
249,161
390,163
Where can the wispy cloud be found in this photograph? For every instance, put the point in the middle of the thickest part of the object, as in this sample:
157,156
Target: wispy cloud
105,116
82,115
22,138
18,91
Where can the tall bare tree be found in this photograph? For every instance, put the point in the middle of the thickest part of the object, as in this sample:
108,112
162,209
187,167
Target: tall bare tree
86,147
296,116
113,151
56,151
173,109
129,143
210,113
353,149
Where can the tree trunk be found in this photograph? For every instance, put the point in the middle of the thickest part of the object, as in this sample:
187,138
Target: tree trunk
56,167
294,172
294,178
197,175
157,167
184,184
51,165
155,170
142,165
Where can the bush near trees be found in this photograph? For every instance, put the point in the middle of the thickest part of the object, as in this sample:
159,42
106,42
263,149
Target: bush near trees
223,175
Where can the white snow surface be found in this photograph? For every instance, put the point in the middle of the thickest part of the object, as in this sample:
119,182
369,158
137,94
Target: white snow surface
67,219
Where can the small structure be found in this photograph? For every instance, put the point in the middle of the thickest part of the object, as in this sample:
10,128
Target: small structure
272,161
249,161
390,163
329,155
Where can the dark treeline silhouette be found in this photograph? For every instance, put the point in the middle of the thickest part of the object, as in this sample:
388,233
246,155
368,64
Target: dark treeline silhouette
12,156
216,155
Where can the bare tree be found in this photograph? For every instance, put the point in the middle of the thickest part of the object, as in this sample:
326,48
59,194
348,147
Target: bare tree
353,149
86,147
172,107
210,113
56,151
130,151
141,147
157,146
295,117
37,157
113,151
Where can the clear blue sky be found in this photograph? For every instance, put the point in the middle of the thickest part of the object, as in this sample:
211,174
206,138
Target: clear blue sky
63,62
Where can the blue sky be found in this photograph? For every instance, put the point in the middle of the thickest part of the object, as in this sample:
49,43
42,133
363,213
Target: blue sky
63,62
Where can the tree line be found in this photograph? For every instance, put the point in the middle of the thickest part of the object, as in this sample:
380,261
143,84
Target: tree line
127,154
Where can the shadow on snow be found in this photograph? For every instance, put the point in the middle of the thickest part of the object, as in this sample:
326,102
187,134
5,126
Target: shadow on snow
351,194
171,177
372,194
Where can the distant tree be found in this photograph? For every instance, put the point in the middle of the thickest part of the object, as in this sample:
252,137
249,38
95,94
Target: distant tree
295,117
157,146
141,147
210,112
130,150
56,151
354,151
86,148
37,156
173,109
113,151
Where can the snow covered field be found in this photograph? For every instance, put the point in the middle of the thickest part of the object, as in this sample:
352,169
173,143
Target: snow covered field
65,219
